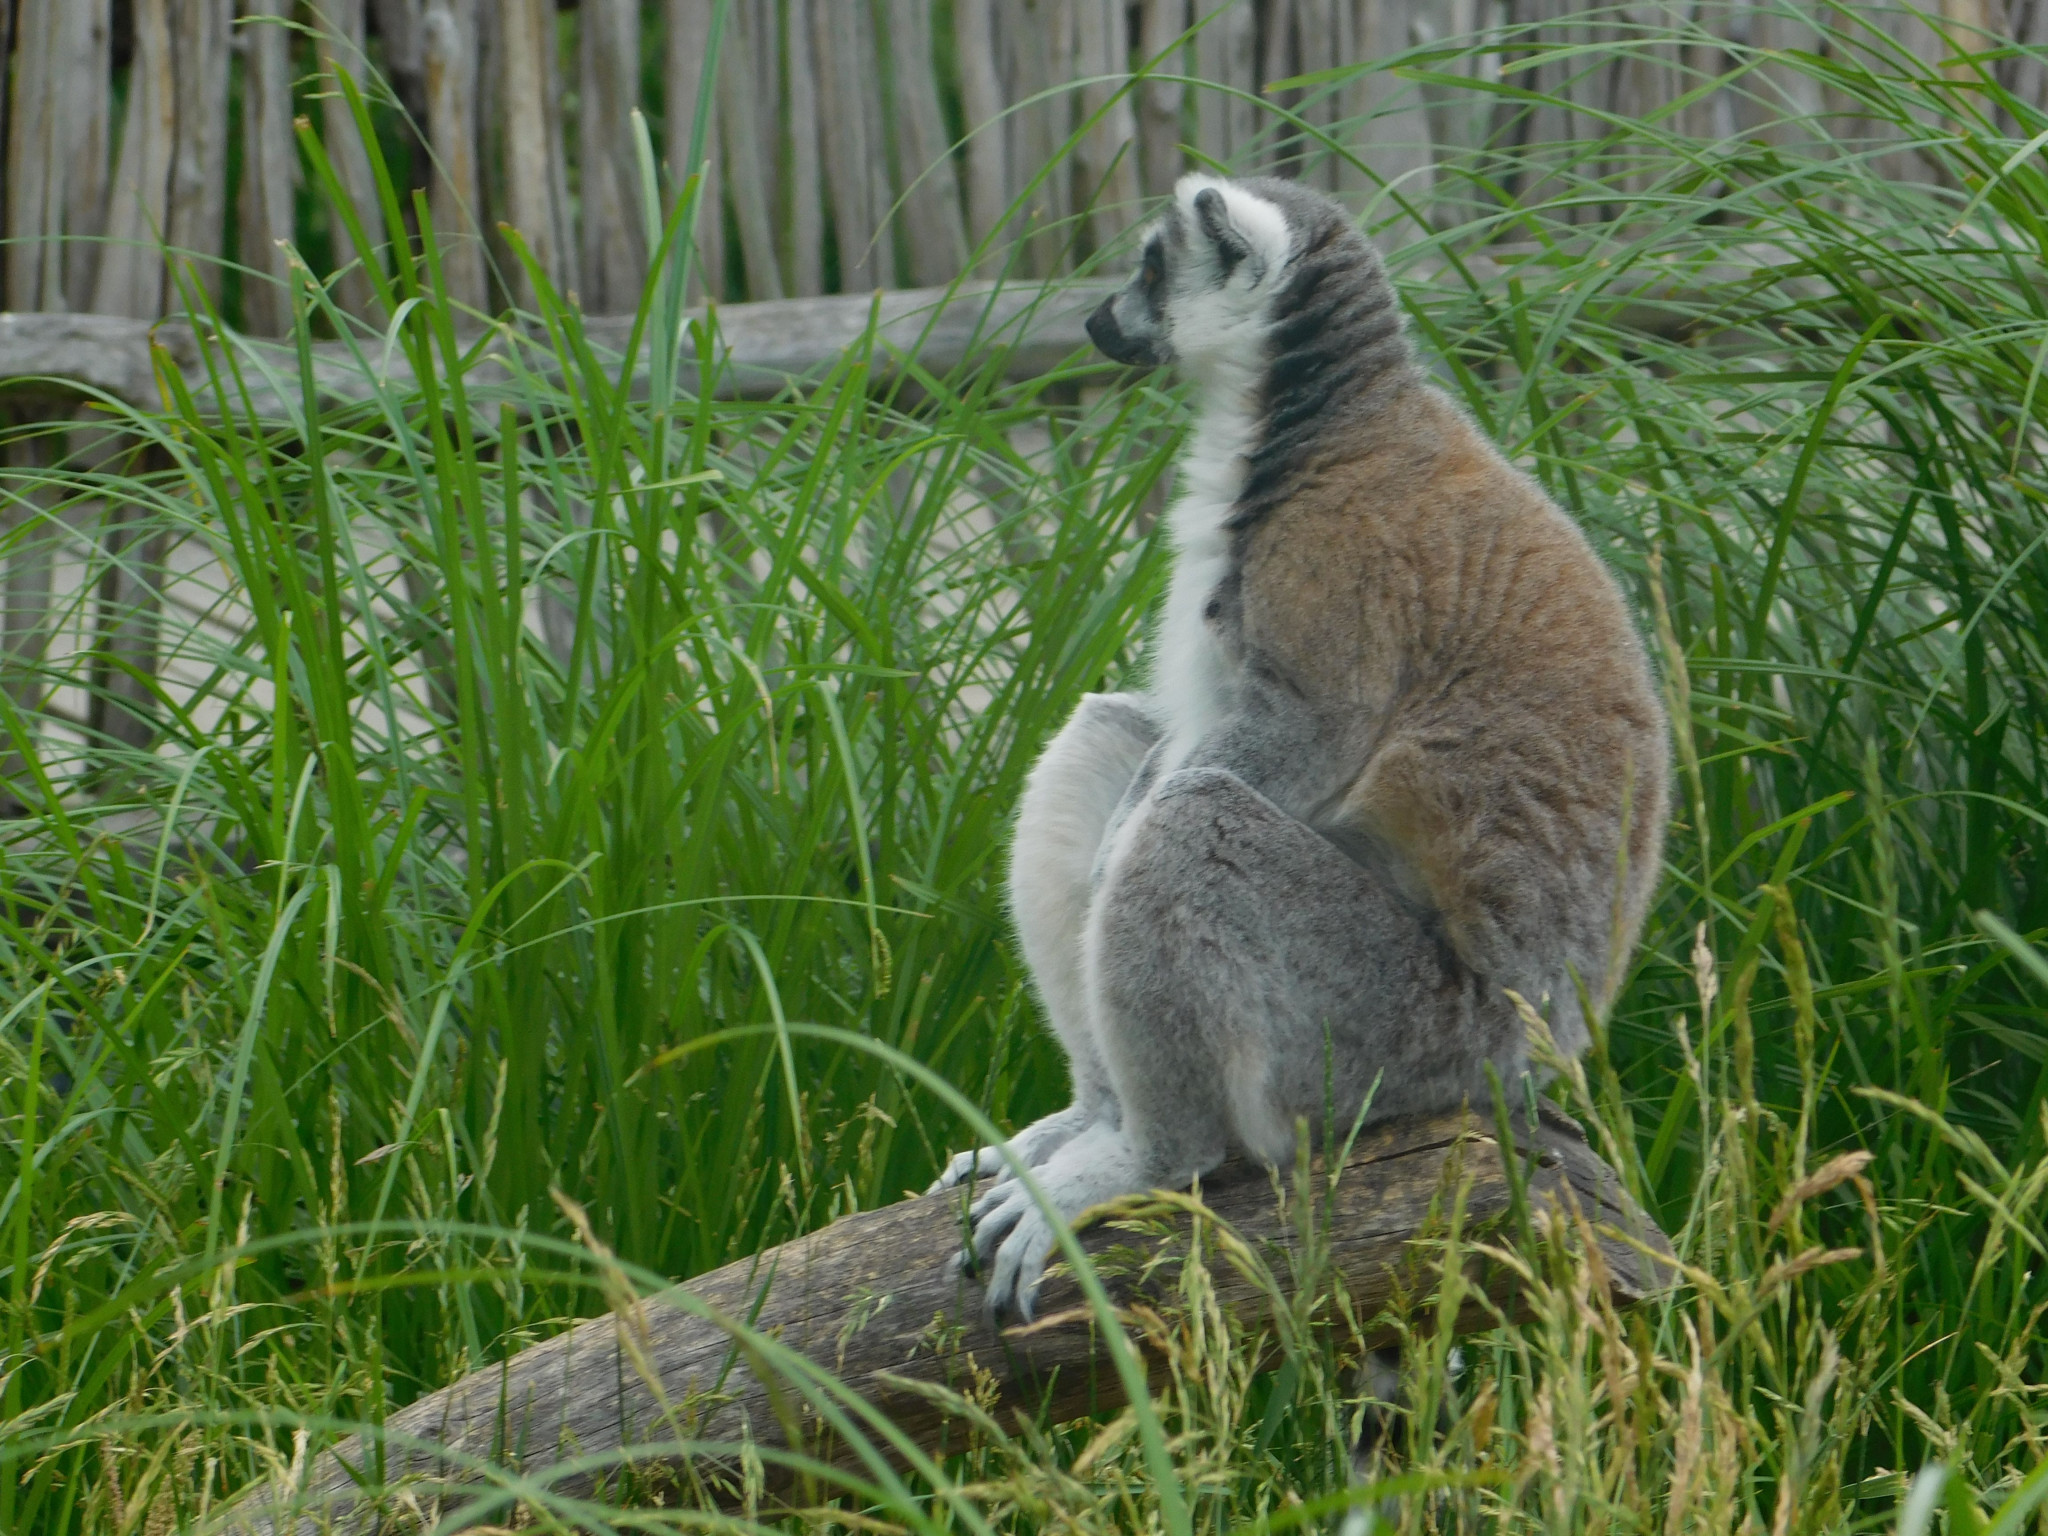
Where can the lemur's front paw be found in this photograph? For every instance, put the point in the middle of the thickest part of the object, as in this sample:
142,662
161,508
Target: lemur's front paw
1014,1234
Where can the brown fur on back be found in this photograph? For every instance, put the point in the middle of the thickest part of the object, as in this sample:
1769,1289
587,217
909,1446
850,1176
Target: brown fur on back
1429,601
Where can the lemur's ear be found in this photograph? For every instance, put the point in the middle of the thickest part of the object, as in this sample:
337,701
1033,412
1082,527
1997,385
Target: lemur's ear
1214,217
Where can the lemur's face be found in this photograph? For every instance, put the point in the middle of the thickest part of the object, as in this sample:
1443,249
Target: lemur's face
1202,295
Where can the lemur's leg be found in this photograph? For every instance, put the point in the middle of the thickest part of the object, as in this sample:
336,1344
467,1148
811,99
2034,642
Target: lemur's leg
1247,972
1072,792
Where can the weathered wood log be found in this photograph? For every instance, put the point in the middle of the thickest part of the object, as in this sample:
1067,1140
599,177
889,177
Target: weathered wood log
765,346
876,1300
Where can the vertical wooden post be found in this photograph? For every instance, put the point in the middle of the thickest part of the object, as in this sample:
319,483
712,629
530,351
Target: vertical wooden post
931,196
747,160
1108,153
29,541
88,103
455,195
199,162
806,204
1387,121
530,102
1160,161
270,164
36,161
57,152
123,708
341,35
856,171
689,44
1277,61
403,24
131,275
1037,38
614,228
1226,52
981,103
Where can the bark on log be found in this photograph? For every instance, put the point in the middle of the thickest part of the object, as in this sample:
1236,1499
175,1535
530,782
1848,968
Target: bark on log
875,1299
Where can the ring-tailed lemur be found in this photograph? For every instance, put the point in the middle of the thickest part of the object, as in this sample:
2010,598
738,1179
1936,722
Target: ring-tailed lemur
1402,750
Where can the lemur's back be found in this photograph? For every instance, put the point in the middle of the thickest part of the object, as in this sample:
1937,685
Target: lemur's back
1500,708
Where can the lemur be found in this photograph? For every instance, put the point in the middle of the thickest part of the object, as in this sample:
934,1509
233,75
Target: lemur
1401,752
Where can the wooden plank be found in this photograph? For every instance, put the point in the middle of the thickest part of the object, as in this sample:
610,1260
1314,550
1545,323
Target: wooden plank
856,172
57,152
403,26
981,105
30,537
1278,59
1106,160
747,165
88,108
806,195
455,193
686,48
876,1299
931,189
270,164
530,108
36,163
614,231
1387,120
132,544
1226,52
130,280
340,42
1037,39
1161,101
197,224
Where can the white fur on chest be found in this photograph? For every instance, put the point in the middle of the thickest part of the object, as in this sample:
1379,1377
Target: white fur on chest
1191,676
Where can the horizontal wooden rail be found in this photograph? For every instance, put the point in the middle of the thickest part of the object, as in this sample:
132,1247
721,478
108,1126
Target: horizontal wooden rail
877,1300
762,348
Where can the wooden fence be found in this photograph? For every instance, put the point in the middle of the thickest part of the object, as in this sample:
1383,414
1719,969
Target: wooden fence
850,144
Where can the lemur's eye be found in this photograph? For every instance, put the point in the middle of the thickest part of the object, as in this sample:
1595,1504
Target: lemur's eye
1153,272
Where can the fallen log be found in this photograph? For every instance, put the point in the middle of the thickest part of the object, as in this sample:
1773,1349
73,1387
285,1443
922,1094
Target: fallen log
876,1300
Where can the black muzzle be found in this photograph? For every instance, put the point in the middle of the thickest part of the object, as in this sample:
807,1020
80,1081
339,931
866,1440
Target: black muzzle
1110,340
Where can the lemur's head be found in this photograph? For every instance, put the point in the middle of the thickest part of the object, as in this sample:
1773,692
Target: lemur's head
1227,264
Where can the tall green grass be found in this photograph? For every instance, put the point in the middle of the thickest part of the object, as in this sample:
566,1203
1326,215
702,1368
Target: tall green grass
544,722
